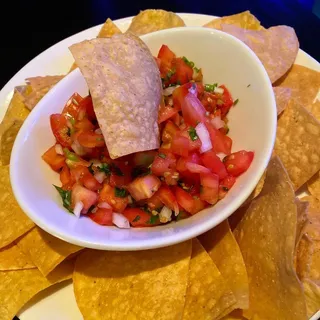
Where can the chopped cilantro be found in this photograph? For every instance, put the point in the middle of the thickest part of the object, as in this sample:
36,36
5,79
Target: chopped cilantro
188,62
66,197
210,87
70,155
235,102
136,219
162,155
104,168
193,134
120,193
69,132
153,219
197,70
90,168
117,170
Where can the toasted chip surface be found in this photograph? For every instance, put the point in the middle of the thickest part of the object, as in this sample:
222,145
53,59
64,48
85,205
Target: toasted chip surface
304,83
223,249
108,29
302,218
19,286
12,258
282,96
266,236
314,108
244,20
153,20
142,285
297,143
14,223
312,294
45,250
276,47
125,86
208,294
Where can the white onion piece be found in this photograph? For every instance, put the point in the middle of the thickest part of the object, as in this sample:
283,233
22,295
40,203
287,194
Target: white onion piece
221,155
100,176
217,122
218,90
58,149
98,131
104,205
193,89
120,220
96,163
78,148
165,215
204,137
77,209
94,210
168,91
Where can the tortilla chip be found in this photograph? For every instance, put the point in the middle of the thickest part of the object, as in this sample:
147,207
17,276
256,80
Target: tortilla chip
18,287
128,114
314,108
302,218
304,83
108,29
244,20
235,315
256,191
14,223
45,250
303,258
276,47
313,202
282,96
223,249
312,294
12,258
147,284
314,185
266,236
16,109
296,143
206,287
154,20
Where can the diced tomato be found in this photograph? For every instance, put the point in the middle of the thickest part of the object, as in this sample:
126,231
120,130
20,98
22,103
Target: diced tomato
54,160
225,185
193,157
166,112
209,187
183,72
154,202
144,158
107,194
122,176
144,187
171,177
165,54
180,145
169,131
72,160
73,106
180,93
60,129
88,105
198,205
137,217
213,162
162,162
102,216
85,124
209,101
90,139
65,175
227,101
167,197
196,168
191,204
238,162
86,196
177,119
193,144
192,110
82,174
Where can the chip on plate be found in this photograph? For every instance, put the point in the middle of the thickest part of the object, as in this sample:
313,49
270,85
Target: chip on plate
223,249
302,218
108,29
314,108
19,286
142,285
153,20
14,223
45,250
12,258
276,47
297,140
244,20
208,294
282,96
266,236
304,83
312,294
125,86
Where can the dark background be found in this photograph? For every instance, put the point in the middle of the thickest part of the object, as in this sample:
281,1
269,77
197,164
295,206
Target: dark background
29,27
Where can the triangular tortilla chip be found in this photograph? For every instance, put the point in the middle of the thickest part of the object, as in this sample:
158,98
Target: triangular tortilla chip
147,284
314,108
312,294
108,29
266,236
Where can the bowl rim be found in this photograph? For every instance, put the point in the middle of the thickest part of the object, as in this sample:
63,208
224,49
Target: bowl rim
170,239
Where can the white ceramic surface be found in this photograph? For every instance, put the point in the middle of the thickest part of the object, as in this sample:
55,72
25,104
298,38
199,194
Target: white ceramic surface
224,59
59,303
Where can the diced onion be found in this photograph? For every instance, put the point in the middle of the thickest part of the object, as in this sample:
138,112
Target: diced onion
204,137
104,205
217,122
120,220
193,89
58,149
94,210
165,215
98,131
218,90
221,155
168,91
100,176
78,148
77,209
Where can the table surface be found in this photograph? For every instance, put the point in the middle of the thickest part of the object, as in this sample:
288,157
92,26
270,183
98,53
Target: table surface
29,27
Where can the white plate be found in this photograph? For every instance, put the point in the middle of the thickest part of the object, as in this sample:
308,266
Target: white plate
59,302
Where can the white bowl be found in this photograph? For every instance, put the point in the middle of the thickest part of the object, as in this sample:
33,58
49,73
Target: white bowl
223,59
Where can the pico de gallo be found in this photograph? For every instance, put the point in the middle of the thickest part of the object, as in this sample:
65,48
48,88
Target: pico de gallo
193,168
